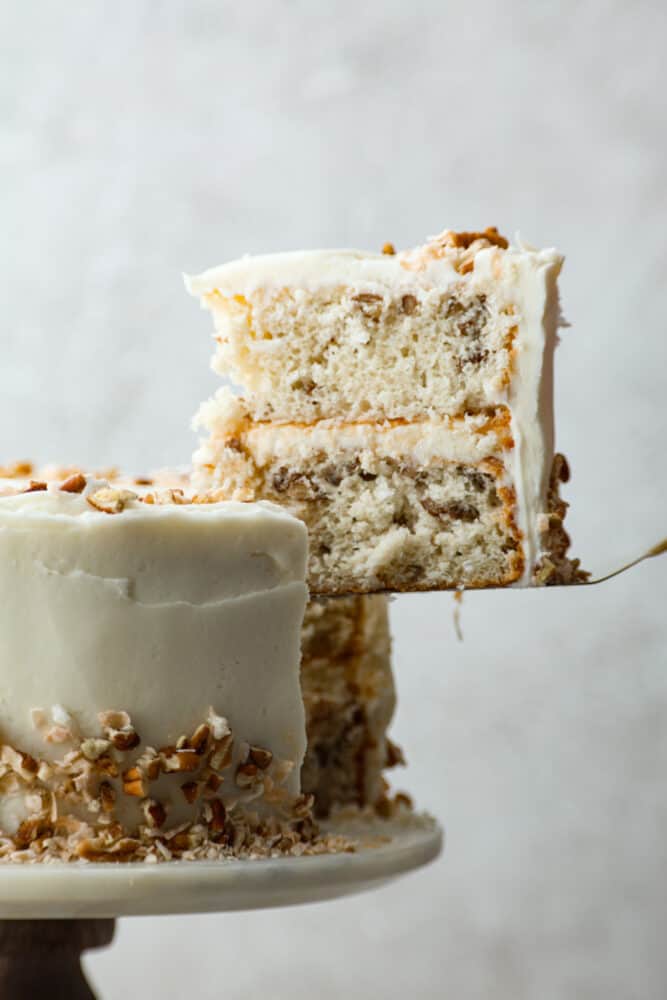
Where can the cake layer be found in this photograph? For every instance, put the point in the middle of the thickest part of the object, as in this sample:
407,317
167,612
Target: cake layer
393,506
140,702
348,692
461,324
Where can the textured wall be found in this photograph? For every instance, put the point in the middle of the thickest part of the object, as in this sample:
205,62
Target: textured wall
144,138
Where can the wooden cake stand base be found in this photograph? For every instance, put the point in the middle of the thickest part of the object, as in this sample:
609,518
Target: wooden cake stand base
42,958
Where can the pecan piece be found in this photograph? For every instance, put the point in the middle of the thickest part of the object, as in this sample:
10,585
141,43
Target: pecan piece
190,790
218,815
154,813
177,760
74,484
262,758
110,501
133,783
246,775
455,510
107,796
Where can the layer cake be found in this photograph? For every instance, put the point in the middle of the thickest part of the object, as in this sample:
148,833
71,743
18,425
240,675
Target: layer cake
143,713
400,405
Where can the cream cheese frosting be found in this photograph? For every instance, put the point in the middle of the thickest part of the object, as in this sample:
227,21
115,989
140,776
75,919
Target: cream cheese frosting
313,269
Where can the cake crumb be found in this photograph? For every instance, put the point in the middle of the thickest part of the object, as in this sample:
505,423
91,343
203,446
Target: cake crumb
458,601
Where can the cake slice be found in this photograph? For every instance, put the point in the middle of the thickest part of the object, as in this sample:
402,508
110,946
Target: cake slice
462,324
400,405
144,715
349,697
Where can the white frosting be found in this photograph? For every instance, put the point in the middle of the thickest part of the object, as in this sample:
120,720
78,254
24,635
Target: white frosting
161,611
532,276
453,441
312,269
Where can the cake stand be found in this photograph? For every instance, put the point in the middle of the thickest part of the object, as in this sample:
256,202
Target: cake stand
50,914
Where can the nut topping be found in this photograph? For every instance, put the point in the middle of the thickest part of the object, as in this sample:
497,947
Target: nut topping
246,775
107,797
262,758
179,760
74,484
133,783
190,790
154,813
109,500
93,749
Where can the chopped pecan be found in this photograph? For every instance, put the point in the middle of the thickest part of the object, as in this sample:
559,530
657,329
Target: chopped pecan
154,813
175,760
560,468
134,783
303,805
190,790
199,739
107,765
220,728
457,510
394,754
107,796
305,385
464,240
94,849
213,783
247,775
74,484
109,500
296,484
124,739
118,729
20,763
93,749
32,829
262,758
221,755
18,470
218,815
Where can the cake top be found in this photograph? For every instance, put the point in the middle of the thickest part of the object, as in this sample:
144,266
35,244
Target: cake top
17,477
209,550
443,259
80,494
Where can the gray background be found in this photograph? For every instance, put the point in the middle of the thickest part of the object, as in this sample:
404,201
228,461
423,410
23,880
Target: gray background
141,139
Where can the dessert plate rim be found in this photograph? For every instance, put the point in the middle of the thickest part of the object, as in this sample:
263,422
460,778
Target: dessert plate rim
386,849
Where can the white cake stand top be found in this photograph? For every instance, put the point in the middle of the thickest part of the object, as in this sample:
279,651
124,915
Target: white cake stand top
387,849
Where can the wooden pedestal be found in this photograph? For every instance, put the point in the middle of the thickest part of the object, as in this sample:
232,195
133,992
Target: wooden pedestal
42,958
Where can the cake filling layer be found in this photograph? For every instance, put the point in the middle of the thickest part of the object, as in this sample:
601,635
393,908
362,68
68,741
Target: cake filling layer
388,507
